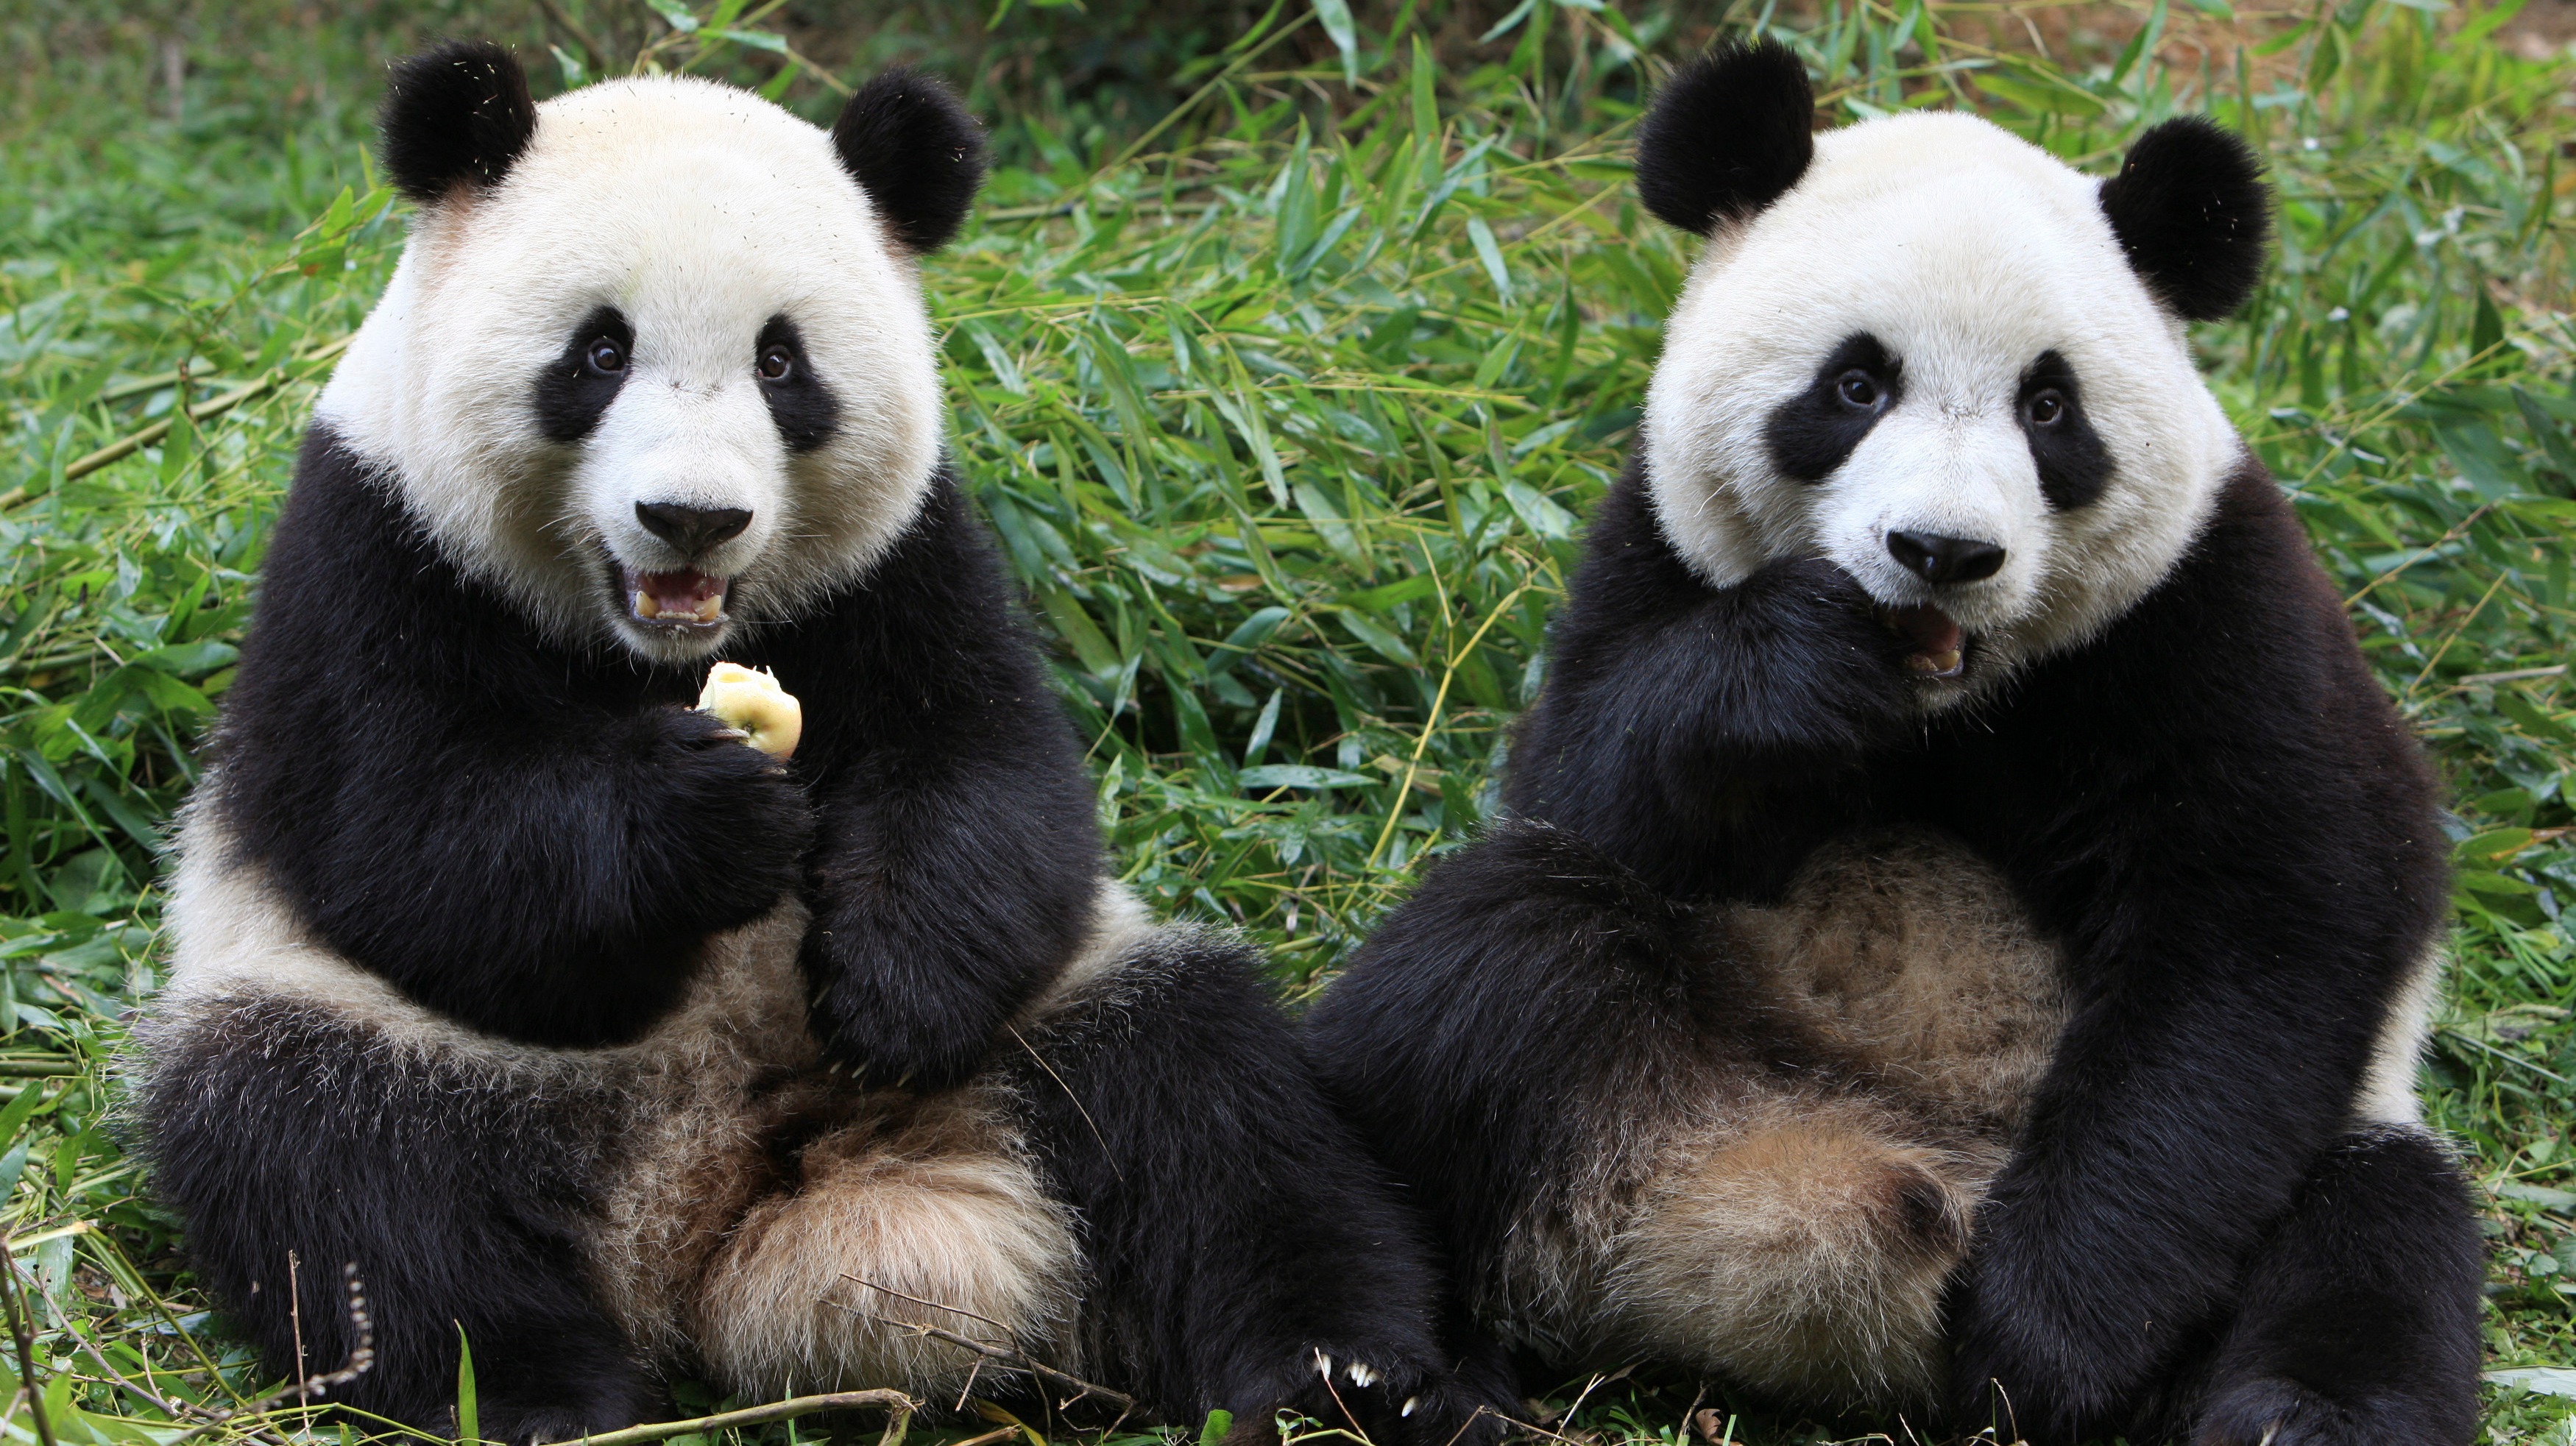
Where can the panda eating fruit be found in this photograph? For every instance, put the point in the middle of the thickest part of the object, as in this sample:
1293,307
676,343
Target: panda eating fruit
1966,916
610,1046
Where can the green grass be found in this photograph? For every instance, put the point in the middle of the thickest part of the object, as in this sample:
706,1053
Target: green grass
1287,403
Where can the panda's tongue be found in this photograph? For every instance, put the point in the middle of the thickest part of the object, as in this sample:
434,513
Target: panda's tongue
1936,641
679,597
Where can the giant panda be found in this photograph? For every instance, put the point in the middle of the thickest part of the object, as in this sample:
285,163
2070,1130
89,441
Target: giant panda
1964,916
595,1042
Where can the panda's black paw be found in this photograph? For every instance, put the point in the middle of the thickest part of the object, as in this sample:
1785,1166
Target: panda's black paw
1391,1402
2274,1411
723,801
1830,652
541,1424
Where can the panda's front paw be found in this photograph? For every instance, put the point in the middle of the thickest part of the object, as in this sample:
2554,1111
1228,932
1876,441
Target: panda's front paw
921,1042
732,810
1833,647
2021,1359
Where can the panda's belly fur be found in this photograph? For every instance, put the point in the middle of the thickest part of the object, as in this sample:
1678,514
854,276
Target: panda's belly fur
1792,1229
741,1206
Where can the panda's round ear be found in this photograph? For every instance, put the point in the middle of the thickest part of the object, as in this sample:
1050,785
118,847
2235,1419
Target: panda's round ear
457,115
2190,209
916,152
1727,135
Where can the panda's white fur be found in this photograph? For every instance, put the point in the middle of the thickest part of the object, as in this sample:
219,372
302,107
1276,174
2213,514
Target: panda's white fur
702,211
1968,251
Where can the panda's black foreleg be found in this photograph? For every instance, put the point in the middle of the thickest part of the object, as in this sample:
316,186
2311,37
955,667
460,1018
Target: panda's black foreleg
1244,1253
1707,738
2359,1317
282,1135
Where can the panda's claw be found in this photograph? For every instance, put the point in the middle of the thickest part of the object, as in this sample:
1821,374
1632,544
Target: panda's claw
1409,1403
1361,1374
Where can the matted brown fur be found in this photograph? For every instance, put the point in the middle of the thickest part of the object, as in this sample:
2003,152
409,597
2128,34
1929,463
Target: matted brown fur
1792,1229
911,1201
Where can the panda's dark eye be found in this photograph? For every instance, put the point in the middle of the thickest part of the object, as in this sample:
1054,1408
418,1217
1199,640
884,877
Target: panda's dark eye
2046,407
775,364
605,355
1858,389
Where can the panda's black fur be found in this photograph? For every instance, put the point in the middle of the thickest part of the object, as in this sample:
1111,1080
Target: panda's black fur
604,921
2133,1185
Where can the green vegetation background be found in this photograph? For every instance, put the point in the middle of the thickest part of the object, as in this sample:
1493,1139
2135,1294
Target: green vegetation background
1287,353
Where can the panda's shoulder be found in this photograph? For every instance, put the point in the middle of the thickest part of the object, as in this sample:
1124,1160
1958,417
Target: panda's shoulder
938,603
2250,573
2245,638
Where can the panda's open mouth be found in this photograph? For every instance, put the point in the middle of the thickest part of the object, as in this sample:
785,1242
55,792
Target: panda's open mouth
1939,644
681,600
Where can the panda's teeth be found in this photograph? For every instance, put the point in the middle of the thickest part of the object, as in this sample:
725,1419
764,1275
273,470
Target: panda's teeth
710,609
1943,664
645,607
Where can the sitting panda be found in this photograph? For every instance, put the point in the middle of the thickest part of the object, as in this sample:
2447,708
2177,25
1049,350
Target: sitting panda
612,1046
1965,916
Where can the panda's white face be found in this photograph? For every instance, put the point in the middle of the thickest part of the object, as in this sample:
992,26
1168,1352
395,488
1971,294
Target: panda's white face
1930,362
668,376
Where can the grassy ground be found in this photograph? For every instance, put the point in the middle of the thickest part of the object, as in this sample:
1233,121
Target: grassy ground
1286,356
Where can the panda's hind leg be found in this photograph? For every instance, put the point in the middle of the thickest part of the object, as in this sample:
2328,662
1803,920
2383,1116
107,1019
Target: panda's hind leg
284,1133
2359,1317
1244,1252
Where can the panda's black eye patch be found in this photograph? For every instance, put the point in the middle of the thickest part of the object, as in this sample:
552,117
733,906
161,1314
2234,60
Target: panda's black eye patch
1815,431
805,411
2073,464
575,390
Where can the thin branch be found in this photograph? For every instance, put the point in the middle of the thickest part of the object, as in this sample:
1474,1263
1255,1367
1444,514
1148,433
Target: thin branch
21,1327
593,54
1105,1151
1002,1355
901,1405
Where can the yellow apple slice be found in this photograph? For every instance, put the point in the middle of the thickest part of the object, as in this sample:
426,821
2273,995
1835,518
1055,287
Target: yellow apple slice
751,700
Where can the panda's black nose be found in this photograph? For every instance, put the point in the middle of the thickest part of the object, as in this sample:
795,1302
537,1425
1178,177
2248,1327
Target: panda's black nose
1935,558
692,529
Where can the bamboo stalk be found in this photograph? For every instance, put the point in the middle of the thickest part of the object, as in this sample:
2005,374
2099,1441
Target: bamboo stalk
896,1401
134,442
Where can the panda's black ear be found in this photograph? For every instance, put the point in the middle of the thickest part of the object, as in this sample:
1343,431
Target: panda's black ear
2190,209
459,114
1728,134
916,152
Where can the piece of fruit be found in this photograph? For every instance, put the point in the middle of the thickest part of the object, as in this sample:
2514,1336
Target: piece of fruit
751,700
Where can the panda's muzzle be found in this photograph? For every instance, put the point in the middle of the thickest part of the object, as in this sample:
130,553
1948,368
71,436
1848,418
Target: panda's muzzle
1940,646
682,598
